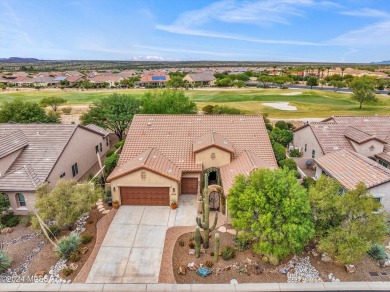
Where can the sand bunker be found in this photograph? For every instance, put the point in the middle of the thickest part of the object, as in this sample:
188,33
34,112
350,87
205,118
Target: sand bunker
281,105
292,93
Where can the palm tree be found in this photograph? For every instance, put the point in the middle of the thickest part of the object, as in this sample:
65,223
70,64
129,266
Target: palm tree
342,70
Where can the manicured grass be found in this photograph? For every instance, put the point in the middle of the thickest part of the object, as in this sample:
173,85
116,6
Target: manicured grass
311,103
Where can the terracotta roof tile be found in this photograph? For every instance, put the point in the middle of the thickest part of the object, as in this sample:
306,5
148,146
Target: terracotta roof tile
151,159
174,136
244,164
211,139
350,168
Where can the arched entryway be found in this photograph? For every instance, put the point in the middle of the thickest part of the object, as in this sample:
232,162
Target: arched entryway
213,177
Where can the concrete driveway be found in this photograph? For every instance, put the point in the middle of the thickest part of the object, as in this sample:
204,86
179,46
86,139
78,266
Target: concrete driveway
132,248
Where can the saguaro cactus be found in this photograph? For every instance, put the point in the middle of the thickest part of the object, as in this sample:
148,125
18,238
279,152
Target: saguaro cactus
204,224
197,242
216,247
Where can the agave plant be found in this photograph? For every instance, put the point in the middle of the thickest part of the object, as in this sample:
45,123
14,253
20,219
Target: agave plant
5,261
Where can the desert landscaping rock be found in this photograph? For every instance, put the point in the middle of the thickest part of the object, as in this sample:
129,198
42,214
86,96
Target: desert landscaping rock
21,239
301,271
6,230
105,212
325,258
222,229
350,269
231,231
233,282
333,278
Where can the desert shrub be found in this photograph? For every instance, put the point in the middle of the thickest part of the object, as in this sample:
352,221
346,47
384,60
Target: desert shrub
208,264
67,271
5,261
10,220
228,253
181,243
110,163
67,245
67,110
273,260
26,220
109,153
243,241
289,163
295,153
86,238
281,125
191,245
279,151
377,252
54,231
269,127
75,256
119,144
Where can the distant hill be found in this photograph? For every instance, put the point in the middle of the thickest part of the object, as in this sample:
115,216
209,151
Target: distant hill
19,60
383,62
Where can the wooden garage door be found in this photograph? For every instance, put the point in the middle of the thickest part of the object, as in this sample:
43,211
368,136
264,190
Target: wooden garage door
189,186
145,196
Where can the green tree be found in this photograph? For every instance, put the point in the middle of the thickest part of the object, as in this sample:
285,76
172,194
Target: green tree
175,82
110,163
312,81
239,83
167,102
281,125
322,82
114,112
53,101
283,137
19,111
325,202
4,204
274,208
362,225
289,163
225,82
265,79
363,90
208,109
66,202
336,84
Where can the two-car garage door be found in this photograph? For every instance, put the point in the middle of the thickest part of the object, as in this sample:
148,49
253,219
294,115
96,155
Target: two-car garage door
147,196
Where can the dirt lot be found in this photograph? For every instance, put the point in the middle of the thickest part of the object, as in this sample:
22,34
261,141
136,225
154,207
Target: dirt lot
270,274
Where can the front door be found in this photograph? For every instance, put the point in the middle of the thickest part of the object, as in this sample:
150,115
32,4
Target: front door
214,200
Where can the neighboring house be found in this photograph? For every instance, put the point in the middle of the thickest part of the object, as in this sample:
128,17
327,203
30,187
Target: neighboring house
31,154
200,79
74,79
153,79
44,81
110,79
369,136
349,168
165,156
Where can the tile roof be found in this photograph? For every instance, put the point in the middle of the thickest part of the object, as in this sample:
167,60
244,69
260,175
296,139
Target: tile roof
359,136
245,163
202,77
97,129
350,168
46,143
12,141
151,77
21,179
174,136
212,139
102,78
151,159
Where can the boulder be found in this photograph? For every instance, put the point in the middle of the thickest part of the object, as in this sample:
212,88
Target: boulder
191,251
233,282
350,269
73,266
182,270
231,231
222,229
384,263
192,266
325,258
7,230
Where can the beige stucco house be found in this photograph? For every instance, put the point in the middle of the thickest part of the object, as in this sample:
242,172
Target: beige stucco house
31,154
165,156
349,168
200,79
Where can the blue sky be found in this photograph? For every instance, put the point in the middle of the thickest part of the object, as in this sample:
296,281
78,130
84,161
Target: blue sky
256,30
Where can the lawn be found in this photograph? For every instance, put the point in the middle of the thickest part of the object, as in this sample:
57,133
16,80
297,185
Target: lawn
311,103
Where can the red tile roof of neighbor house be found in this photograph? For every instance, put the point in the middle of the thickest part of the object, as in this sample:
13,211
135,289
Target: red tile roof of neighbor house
350,168
174,136
335,133
148,77
244,164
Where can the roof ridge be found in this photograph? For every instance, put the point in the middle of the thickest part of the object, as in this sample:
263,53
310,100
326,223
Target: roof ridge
30,172
369,161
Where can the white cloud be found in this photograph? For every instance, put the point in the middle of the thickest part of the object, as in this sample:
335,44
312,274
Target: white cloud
194,32
373,34
367,12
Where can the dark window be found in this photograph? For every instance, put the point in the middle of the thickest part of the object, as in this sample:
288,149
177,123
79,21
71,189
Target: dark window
305,147
378,199
62,175
97,148
107,141
101,147
385,164
313,154
21,200
75,169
